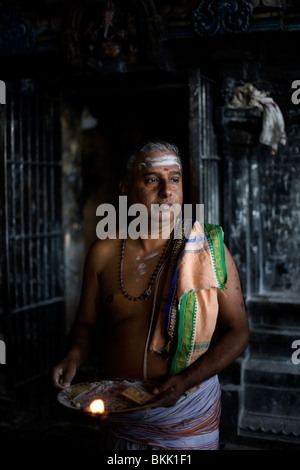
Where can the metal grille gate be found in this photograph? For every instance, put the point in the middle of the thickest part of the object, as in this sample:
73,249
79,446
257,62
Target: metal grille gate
32,306
205,162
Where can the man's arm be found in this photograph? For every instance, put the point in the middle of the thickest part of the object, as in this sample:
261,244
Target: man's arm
82,332
233,340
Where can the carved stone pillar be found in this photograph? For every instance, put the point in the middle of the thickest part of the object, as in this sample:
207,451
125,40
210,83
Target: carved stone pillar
261,220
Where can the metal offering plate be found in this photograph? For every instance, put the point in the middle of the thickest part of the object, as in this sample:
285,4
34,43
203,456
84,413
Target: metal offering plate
119,395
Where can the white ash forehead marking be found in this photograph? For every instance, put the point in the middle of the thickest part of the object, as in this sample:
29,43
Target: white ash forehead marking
162,160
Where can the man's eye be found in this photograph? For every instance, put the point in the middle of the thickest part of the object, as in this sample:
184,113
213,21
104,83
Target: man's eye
175,180
151,180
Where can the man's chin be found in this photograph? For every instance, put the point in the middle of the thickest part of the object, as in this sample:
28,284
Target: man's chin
163,225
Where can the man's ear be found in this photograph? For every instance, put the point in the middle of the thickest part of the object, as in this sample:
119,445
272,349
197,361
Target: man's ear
123,187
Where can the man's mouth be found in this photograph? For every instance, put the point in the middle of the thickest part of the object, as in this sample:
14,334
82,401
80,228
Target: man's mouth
165,207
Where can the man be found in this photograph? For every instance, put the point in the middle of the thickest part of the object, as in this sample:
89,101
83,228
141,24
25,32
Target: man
160,299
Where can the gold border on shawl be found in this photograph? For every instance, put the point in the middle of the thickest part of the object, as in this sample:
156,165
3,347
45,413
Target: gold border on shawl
214,235
186,332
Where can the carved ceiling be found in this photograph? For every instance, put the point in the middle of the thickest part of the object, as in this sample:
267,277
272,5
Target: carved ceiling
130,31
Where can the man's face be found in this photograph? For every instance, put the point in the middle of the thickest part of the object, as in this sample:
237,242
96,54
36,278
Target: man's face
156,178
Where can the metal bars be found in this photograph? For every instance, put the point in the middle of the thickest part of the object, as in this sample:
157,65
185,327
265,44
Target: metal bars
31,225
204,159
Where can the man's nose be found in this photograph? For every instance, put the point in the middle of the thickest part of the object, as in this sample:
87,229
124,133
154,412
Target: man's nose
165,189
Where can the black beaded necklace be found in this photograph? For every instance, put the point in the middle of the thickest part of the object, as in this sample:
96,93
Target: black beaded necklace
146,294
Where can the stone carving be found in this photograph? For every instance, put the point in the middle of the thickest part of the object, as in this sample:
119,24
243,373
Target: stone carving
222,16
112,34
269,3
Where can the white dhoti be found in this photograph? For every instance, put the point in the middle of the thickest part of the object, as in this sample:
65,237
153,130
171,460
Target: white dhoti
193,423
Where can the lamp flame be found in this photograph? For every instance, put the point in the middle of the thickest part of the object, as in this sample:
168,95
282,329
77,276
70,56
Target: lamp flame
97,406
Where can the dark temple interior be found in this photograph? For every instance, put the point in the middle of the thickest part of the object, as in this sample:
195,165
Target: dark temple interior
84,81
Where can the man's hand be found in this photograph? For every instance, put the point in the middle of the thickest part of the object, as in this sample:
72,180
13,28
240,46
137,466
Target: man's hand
63,373
171,390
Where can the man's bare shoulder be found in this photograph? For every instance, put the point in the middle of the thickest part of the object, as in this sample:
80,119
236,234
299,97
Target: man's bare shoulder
101,253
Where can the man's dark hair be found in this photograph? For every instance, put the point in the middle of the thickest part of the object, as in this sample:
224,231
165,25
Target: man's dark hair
147,147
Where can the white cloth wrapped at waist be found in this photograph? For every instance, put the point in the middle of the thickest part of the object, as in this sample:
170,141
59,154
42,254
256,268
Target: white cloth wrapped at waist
193,423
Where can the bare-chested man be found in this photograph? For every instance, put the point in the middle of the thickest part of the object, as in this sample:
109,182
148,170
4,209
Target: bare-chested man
121,279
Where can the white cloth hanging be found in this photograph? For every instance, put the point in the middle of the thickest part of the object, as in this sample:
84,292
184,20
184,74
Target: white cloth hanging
273,127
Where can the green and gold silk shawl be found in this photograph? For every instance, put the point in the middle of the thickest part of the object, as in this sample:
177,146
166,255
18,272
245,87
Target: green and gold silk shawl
189,306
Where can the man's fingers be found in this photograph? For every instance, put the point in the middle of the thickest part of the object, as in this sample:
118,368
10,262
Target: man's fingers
56,374
62,378
67,377
164,388
168,397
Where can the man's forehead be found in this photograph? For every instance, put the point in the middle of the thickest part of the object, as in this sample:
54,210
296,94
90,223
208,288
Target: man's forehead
158,159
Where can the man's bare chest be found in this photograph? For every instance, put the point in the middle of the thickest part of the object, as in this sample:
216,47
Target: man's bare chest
118,305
